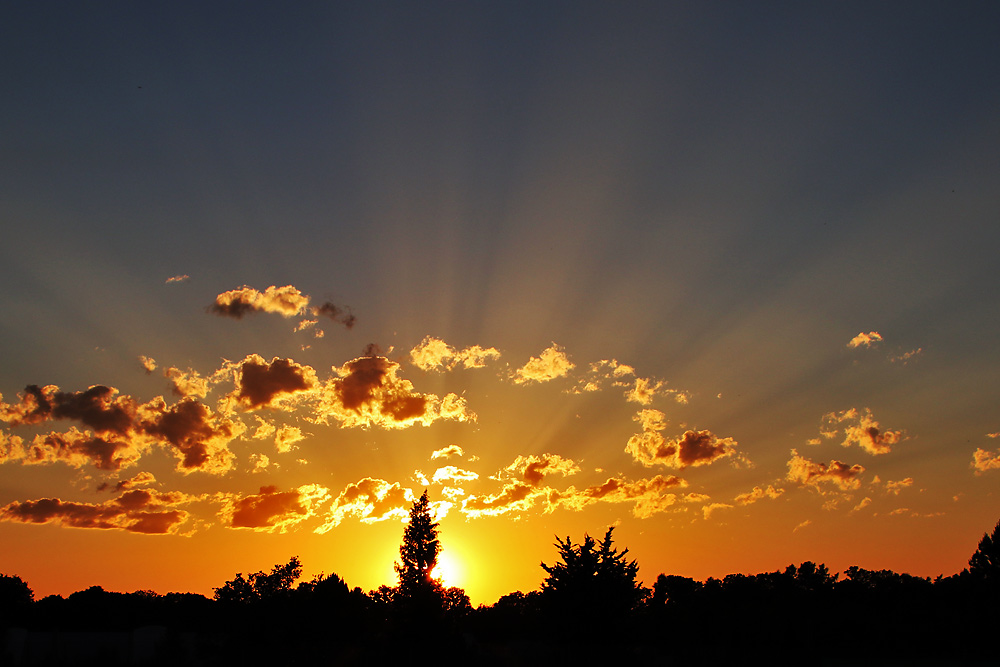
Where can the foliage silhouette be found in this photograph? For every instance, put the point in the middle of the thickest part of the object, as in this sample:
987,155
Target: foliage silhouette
260,586
985,562
592,585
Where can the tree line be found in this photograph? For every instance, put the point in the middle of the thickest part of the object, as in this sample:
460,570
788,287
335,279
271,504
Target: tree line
590,606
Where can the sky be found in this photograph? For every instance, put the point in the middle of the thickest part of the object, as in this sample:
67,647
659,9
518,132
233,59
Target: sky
721,275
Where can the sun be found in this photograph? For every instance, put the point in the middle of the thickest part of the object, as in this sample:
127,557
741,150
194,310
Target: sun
448,570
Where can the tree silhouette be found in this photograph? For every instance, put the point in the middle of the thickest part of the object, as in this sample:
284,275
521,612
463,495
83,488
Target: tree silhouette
593,585
985,562
419,598
261,586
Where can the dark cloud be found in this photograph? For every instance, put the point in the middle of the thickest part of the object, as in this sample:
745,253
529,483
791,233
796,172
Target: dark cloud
335,313
98,407
286,301
811,473
140,511
199,436
271,509
261,384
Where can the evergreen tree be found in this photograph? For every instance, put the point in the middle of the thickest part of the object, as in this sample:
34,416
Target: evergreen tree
419,598
985,562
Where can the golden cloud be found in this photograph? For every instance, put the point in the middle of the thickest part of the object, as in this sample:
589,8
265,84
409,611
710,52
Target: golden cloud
693,448
552,363
187,383
983,460
369,500
138,511
286,437
286,301
447,452
865,339
758,493
272,510
649,496
861,429
434,354
810,473
533,469
449,474
368,392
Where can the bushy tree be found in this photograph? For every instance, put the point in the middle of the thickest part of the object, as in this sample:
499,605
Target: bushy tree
592,583
261,586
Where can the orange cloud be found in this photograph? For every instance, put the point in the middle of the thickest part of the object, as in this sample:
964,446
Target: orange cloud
448,452
449,474
861,429
369,500
286,301
199,437
271,510
649,496
368,392
78,448
177,279
148,363
138,511
865,339
434,354
906,357
514,497
693,448
552,363
286,437
99,408
533,469
758,493
895,487
983,460
187,383
261,384
810,473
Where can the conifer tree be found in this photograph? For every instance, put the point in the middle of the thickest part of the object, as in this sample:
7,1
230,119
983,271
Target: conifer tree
418,552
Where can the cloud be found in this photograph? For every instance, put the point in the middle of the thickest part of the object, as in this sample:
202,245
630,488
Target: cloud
693,448
148,363
983,460
287,436
340,315
551,364
139,479
187,383
99,407
802,525
758,493
369,500
906,357
272,510
649,496
433,354
78,448
447,452
449,474
368,392
895,487
261,384
861,429
286,301
138,511
533,469
514,497
865,502
810,473
177,279
199,437
707,510
865,339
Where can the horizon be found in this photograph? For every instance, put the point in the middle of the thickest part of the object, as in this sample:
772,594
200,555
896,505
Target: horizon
722,277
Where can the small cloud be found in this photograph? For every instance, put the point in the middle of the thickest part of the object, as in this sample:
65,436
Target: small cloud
148,363
861,429
693,448
260,462
865,502
447,452
286,437
451,474
533,469
339,314
758,493
177,279
865,339
433,354
370,500
983,460
552,363
187,383
708,509
286,301
810,473
272,510
905,357
801,525
895,487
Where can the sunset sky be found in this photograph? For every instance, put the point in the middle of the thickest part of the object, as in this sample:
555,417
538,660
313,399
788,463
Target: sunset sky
723,275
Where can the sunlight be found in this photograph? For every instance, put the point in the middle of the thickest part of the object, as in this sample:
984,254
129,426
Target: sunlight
447,570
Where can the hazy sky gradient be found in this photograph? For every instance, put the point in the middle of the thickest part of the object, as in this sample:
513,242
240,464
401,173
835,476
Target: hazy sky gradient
720,196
